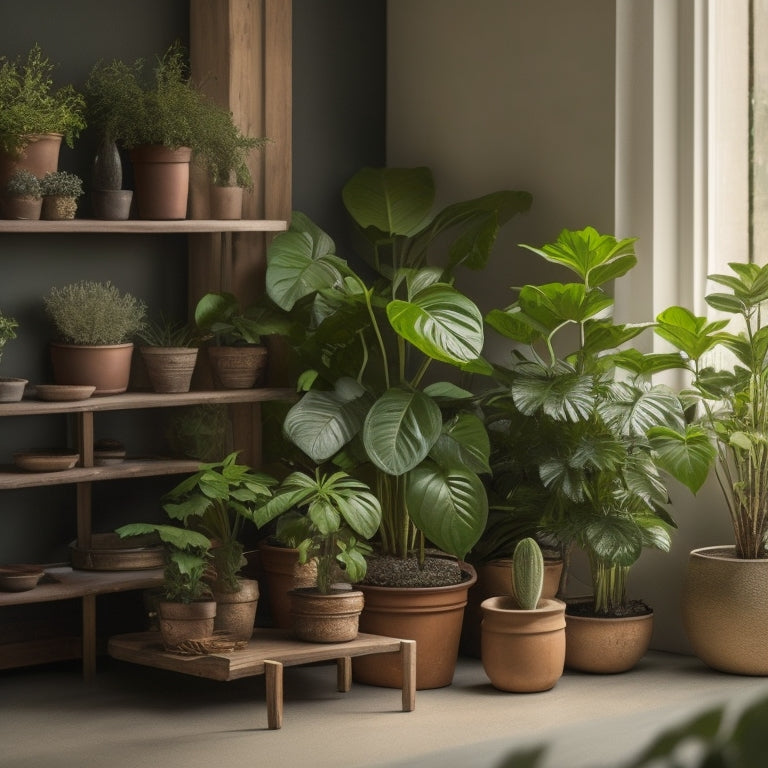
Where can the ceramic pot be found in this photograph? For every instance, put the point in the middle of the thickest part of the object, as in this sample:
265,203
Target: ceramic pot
112,204
523,651
724,610
431,616
22,208
180,622
58,208
161,181
226,202
331,618
107,367
237,367
282,573
236,611
169,368
40,156
12,390
606,645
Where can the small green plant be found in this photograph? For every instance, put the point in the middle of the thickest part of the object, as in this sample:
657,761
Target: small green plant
29,104
94,313
527,573
23,183
164,332
219,316
8,326
62,184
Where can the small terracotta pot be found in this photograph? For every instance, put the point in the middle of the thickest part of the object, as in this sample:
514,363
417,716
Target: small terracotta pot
282,572
237,367
107,367
180,622
331,618
169,369
226,202
236,611
22,208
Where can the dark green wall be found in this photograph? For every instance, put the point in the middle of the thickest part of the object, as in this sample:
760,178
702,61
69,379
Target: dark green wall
339,103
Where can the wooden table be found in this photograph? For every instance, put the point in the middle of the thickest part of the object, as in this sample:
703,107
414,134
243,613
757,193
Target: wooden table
268,651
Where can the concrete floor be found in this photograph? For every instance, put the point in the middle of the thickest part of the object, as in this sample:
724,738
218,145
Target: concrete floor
133,717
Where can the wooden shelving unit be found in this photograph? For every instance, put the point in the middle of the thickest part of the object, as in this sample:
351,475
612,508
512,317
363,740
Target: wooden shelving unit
138,227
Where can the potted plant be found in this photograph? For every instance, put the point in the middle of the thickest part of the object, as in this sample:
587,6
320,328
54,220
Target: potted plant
216,501
169,351
11,389
22,198
593,466
366,345
332,515
237,355
187,611
724,612
60,191
94,323
35,117
523,636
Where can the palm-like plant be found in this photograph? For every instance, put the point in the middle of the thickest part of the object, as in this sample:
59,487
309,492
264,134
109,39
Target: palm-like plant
591,472
367,347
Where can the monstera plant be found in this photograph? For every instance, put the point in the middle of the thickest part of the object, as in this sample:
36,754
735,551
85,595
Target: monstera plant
375,341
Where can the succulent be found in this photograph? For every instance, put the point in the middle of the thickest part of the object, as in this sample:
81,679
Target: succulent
527,573
23,183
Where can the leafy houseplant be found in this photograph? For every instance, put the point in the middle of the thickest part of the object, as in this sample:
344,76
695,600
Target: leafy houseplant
8,326
60,191
24,184
367,347
21,198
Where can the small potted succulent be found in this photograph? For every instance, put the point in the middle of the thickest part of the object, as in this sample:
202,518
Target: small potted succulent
11,389
60,191
169,350
94,324
23,198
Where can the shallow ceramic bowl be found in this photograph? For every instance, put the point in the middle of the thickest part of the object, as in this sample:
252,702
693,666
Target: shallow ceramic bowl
64,392
45,461
19,578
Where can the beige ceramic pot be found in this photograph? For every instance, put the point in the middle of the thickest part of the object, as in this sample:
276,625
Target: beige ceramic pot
181,622
431,616
12,390
236,611
107,366
606,645
725,611
237,367
58,208
169,369
331,618
523,651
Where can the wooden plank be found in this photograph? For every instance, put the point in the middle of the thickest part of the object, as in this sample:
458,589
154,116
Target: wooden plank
39,651
274,686
89,637
140,226
408,658
344,674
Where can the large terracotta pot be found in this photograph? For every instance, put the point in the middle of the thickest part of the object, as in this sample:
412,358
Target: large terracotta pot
431,616
161,181
40,156
180,622
330,618
282,573
725,610
107,366
522,651
169,369
495,578
236,611
606,645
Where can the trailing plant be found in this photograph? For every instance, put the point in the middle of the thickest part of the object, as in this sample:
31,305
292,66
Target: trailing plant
61,183
93,313
367,344
527,573
591,471
23,183
29,104
8,326
165,332
220,317
325,515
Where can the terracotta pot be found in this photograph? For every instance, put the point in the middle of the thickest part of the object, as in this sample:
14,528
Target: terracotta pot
431,616
237,367
58,208
180,622
161,181
226,202
282,573
522,651
107,367
12,390
236,611
22,208
606,645
40,156
724,608
331,618
495,578
111,204
169,368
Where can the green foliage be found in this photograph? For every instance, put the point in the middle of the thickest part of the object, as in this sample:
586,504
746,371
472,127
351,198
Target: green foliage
8,326
327,513
219,315
199,431
29,104
61,183
732,397
527,573
578,432
23,183
89,312
366,346
164,332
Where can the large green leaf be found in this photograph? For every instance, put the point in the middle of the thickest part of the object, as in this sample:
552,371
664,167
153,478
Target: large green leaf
632,412
564,395
513,324
400,429
463,442
686,456
449,505
441,322
615,540
691,334
562,302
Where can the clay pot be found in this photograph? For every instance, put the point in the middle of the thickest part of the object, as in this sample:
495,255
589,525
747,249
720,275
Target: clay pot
111,204
523,651
161,181
236,611
606,645
431,616
40,156
237,367
226,202
180,622
12,390
283,573
725,614
22,208
169,368
331,618
58,208
107,366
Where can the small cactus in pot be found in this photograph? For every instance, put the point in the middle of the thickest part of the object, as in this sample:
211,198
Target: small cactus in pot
527,573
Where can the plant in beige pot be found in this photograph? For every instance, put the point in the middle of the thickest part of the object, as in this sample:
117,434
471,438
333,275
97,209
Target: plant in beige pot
23,198
523,636
169,350
333,515
94,324
61,191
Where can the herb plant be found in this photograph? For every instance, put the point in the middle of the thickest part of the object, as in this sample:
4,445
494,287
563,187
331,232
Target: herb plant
61,183
23,183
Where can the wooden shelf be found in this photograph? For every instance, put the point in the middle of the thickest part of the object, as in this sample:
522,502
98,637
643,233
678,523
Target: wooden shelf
136,226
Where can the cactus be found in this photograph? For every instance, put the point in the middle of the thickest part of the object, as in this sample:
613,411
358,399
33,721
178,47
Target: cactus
527,573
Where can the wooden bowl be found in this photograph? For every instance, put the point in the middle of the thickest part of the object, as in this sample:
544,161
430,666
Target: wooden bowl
19,578
64,392
45,461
